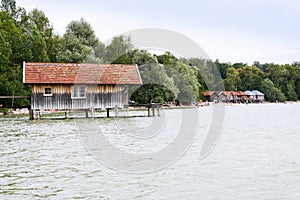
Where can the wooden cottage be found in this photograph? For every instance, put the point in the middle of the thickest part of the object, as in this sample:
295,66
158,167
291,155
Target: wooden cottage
210,96
222,97
226,96
239,96
65,86
255,96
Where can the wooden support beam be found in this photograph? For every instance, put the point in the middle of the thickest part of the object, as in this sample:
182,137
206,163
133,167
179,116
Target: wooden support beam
34,114
67,114
39,116
116,111
31,115
93,112
107,112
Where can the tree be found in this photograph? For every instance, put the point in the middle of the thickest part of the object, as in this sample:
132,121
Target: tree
39,24
232,79
271,92
36,47
118,47
185,77
12,38
72,50
210,76
11,8
222,67
251,78
166,58
83,31
158,87
142,57
11,56
297,88
79,44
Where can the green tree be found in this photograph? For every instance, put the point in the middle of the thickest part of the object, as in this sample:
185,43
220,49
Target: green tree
297,88
10,6
36,47
40,26
185,77
142,57
83,31
251,78
209,75
79,44
158,86
232,79
166,58
72,50
223,67
119,46
271,92
11,56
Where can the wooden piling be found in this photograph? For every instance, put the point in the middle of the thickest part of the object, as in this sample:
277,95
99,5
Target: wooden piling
67,114
93,112
107,112
152,110
35,114
116,111
31,115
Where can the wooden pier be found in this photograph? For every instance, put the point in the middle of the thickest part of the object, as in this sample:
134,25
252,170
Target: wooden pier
152,111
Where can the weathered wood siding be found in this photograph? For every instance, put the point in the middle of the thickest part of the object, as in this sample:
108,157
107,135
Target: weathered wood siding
222,97
98,97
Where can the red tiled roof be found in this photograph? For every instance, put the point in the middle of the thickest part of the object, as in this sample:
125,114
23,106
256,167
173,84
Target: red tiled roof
208,93
240,93
234,93
227,92
68,73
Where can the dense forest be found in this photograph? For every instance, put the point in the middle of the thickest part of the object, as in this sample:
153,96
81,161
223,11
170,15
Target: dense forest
29,36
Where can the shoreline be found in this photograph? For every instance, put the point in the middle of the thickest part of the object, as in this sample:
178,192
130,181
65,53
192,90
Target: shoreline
25,112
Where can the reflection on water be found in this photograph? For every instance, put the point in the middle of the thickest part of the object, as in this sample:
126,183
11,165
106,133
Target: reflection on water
256,157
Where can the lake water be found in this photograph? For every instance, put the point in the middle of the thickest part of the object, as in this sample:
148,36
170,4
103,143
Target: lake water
256,157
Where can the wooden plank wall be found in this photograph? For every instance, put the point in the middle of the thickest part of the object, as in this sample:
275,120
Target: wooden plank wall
98,97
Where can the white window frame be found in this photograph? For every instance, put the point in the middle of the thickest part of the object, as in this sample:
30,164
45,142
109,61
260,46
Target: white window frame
46,94
77,93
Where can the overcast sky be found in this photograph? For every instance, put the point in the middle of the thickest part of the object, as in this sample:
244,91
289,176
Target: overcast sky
230,30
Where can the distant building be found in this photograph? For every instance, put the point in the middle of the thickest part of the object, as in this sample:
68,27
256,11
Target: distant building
211,96
234,96
239,96
226,96
255,96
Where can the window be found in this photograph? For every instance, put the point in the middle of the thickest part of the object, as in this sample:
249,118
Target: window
78,91
48,91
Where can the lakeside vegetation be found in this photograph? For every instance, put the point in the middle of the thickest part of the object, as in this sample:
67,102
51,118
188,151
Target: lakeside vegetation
29,36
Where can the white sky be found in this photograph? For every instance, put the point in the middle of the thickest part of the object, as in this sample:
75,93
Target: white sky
230,30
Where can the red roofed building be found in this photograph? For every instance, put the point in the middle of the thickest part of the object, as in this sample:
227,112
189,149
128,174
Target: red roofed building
79,86
210,96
